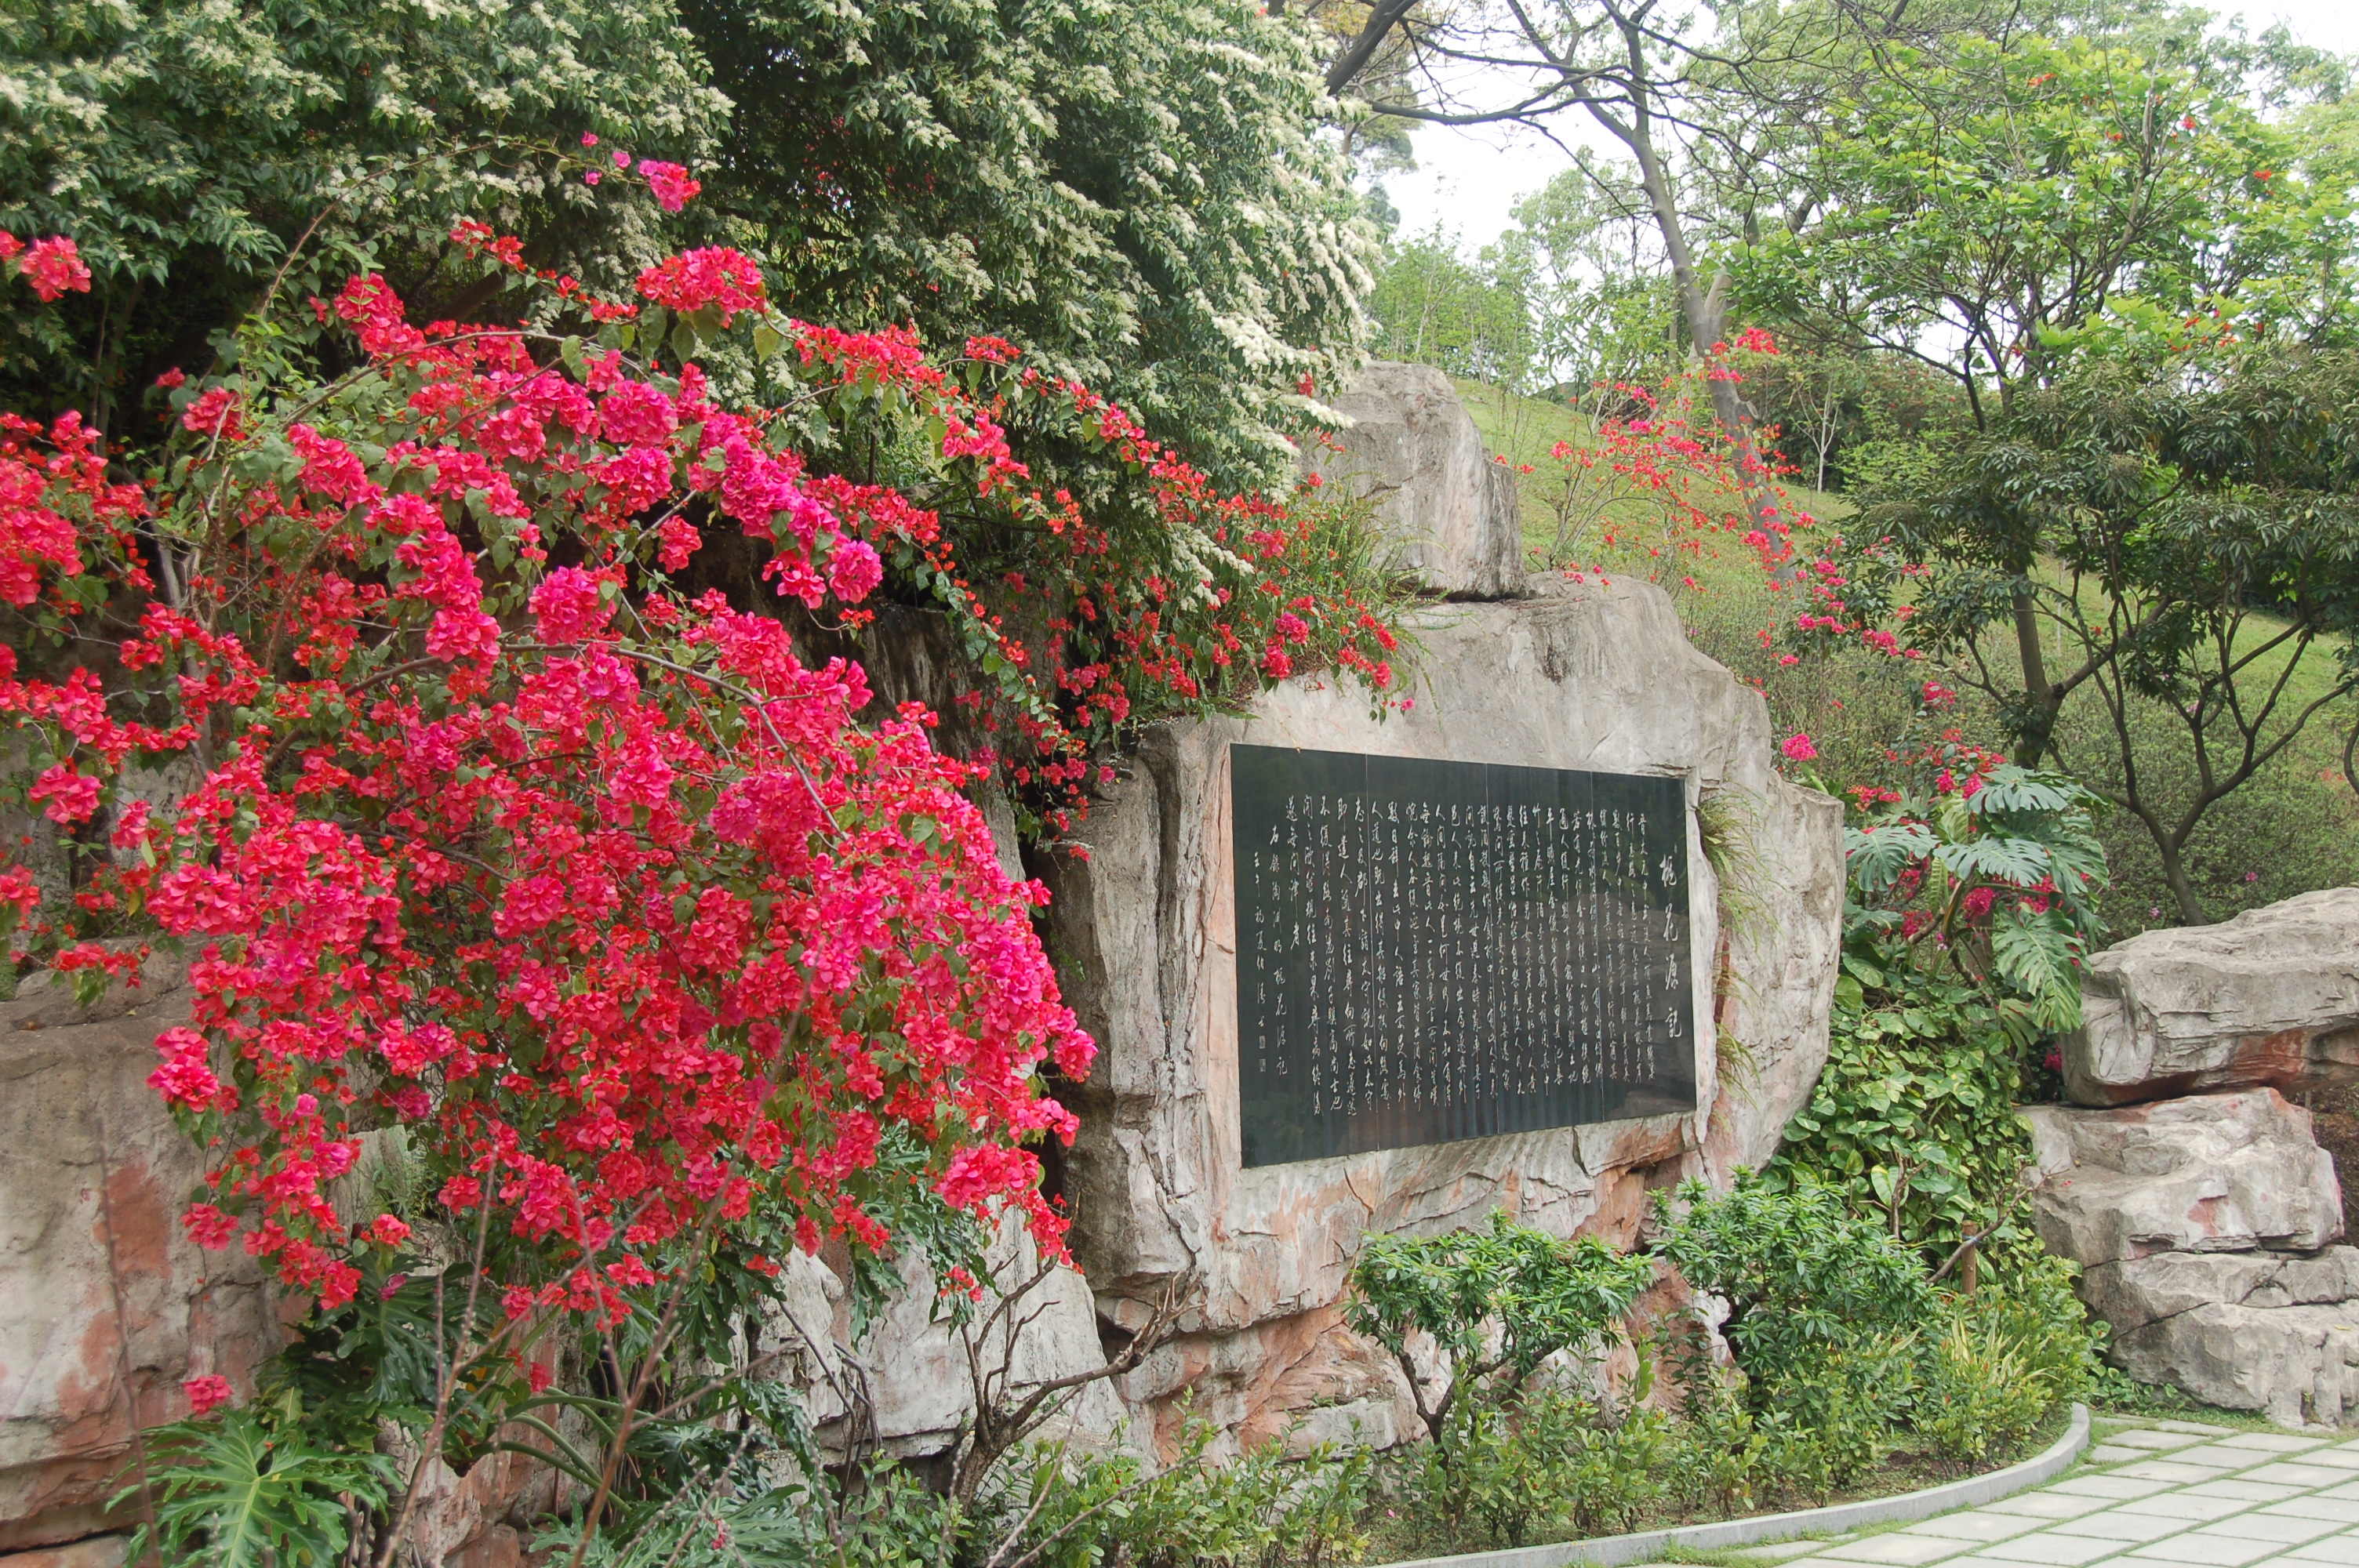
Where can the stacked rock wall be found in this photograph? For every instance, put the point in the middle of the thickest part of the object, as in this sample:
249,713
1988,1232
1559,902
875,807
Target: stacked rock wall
2207,1223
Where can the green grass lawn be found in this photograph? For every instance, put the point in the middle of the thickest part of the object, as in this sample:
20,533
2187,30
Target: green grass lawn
2293,828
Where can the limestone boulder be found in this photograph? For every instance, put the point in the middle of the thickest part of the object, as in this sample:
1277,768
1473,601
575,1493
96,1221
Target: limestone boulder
906,1381
2270,998
105,1306
2230,1172
2133,1292
2295,1365
1570,675
1449,512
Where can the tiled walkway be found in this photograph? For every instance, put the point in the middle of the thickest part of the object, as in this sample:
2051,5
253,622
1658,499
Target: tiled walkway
2164,1494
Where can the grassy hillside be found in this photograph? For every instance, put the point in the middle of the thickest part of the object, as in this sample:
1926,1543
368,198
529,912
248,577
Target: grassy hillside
2293,828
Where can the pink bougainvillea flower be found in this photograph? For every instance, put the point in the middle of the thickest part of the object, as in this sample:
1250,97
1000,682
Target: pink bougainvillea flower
673,186
55,268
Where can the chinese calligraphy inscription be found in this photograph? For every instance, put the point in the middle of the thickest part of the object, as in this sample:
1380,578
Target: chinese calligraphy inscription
1430,951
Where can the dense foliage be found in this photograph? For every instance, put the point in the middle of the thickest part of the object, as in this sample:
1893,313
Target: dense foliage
1133,192
1846,1351
186,148
2178,534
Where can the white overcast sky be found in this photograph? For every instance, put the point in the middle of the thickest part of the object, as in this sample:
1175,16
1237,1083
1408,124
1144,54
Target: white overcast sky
1469,180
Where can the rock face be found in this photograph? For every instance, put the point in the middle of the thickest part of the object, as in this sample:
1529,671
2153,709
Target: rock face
1143,930
105,1306
908,1385
2206,1230
1413,448
2270,998
2209,1173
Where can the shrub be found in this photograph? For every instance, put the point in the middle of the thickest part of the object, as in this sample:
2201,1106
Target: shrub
1495,1304
1982,1391
1803,1276
510,840
1913,1116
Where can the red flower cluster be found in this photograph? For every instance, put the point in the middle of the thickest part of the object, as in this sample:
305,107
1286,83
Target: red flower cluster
53,266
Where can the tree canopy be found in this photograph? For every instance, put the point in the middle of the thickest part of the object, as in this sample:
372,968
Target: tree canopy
1137,193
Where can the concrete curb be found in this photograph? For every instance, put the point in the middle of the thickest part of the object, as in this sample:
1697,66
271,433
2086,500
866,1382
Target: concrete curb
1613,1550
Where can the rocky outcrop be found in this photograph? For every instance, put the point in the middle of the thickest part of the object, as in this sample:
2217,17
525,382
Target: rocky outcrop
2209,1173
2206,1230
907,1383
2270,998
1413,450
1571,676
105,1306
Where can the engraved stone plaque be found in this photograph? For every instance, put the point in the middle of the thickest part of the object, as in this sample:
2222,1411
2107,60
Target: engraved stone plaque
1430,951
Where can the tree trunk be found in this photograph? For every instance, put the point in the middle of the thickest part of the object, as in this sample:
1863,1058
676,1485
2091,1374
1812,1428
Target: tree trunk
2182,888
2033,743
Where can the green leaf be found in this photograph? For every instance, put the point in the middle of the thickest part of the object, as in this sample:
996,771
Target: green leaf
234,1493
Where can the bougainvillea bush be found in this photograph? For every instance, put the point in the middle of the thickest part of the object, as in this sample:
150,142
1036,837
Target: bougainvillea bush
659,948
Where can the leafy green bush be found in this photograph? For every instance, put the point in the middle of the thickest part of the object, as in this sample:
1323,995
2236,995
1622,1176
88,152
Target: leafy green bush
1914,1115
1495,1304
1803,1276
1838,1414
1059,1509
1981,1390
239,1489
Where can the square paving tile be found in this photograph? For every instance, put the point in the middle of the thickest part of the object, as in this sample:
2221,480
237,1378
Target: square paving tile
2050,1504
2202,1428
2237,1486
2046,1549
2121,1524
2121,1488
2147,1437
2286,1530
1905,1551
2347,1492
2341,1550
2113,1453
2296,1473
2213,1551
2219,1456
2171,1470
2270,1441
2342,1509
2181,1505
2342,1455
1975,1524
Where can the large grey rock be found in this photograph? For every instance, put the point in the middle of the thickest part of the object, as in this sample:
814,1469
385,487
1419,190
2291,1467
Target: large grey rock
1449,510
2293,1364
1572,677
2204,1229
2135,1292
906,1383
105,1306
2227,1173
2271,997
